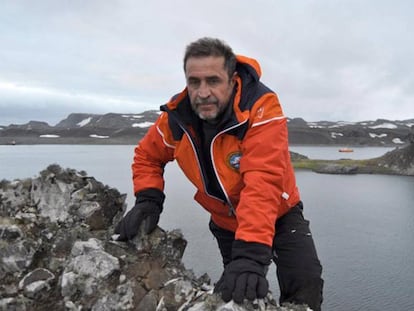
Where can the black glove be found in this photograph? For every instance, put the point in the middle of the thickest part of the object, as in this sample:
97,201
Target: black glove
148,207
245,275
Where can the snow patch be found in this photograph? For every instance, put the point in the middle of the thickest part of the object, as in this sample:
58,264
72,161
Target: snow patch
98,136
343,123
132,116
84,122
334,134
143,124
315,125
384,126
373,135
397,141
49,136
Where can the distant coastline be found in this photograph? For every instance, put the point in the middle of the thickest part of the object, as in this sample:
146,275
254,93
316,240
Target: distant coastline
24,140
399,161
133,141
126,129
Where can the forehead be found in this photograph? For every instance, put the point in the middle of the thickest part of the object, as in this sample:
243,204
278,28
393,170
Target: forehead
205,66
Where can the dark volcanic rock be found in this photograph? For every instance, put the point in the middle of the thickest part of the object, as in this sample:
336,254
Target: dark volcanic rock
333,168
294,156
57,253
32,125
75,120
399,160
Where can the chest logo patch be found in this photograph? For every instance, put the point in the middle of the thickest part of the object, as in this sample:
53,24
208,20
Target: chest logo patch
233,160
260,112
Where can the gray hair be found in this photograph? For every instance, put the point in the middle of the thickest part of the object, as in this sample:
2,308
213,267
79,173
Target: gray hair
212,47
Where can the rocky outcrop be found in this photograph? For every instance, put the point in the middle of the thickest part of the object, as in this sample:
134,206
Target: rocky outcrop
57,253
399,161
336,168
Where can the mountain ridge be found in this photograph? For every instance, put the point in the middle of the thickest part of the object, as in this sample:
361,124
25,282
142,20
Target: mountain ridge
128,128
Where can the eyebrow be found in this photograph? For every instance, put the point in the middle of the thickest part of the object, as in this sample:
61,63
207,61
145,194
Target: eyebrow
207,78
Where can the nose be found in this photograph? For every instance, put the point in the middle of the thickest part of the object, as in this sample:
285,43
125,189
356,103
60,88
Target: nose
203,90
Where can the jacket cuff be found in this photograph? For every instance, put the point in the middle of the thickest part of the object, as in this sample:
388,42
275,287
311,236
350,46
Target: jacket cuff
150,194
258,252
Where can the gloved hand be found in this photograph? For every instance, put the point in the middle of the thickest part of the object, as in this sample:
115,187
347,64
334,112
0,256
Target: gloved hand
245,275
147,209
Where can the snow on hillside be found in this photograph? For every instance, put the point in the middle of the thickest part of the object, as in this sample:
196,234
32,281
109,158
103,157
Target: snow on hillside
143,124
98,136
334,134
373,135
397,141
384,126
84,122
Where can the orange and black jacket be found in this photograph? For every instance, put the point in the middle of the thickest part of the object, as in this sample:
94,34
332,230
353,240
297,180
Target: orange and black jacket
249,157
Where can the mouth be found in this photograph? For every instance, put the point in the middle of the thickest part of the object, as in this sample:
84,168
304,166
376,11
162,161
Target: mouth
206,104
206,107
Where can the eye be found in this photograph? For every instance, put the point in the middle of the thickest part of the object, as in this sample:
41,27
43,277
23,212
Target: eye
213,80
191,82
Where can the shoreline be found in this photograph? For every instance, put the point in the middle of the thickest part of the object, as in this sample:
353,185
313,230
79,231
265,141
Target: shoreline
134,141
343,166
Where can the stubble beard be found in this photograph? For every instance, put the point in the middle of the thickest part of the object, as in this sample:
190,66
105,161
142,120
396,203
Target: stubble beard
207,115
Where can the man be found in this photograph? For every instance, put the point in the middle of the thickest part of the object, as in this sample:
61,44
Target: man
228,134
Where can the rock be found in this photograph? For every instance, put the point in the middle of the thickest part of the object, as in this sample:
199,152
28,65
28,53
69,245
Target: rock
35,281
332,168
294,156
400,160
57,252
88,267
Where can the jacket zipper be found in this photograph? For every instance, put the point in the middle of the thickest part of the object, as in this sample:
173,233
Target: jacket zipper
232,210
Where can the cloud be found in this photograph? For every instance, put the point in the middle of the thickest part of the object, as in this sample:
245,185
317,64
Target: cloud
31,103
328,59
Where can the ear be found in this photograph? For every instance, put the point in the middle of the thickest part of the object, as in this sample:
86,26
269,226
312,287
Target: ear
234,78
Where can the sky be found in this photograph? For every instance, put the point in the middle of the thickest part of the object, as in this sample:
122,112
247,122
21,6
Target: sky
335,60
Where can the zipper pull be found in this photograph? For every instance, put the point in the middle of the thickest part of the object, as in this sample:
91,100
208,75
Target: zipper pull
232,211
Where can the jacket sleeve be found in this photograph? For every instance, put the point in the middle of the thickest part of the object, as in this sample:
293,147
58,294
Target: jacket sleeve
151,154
267,173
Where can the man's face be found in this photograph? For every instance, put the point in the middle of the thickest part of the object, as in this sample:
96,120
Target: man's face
209,86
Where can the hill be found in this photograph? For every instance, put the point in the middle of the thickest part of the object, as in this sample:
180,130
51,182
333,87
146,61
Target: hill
113,128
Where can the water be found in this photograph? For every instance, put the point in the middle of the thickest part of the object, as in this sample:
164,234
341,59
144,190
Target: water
332,153
363,225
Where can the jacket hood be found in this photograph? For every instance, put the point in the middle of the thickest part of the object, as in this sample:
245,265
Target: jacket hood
249,66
